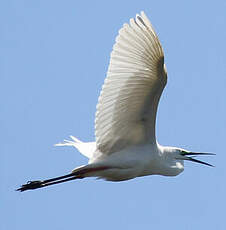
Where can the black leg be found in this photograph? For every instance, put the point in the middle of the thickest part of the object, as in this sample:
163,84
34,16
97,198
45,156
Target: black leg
43,183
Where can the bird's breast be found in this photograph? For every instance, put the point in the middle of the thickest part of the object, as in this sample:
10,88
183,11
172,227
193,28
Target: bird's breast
129,163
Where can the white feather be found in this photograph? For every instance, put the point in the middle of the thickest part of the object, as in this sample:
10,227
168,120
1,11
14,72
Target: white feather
86,148
128,102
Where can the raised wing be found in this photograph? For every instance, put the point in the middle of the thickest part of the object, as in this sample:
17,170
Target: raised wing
127,106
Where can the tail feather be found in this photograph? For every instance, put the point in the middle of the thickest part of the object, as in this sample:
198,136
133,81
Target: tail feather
86,148
75,139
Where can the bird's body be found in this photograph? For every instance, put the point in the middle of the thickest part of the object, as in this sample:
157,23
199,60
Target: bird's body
131,162
126,145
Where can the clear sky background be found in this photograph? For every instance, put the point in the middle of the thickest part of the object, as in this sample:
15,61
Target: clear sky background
53,60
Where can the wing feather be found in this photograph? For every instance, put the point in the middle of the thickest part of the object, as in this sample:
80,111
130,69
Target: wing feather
127,106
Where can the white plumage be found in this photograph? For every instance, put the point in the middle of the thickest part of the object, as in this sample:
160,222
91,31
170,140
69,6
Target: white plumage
126,145
129,98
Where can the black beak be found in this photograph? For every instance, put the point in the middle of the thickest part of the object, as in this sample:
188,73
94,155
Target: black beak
187,154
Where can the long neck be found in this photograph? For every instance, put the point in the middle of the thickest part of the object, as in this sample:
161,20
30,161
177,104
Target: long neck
169,165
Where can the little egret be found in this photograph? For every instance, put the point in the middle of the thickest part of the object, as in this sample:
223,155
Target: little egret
126,145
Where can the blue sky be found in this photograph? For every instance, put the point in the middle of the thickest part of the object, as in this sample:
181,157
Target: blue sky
53,61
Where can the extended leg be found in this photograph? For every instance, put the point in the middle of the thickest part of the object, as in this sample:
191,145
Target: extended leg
43,183
56,180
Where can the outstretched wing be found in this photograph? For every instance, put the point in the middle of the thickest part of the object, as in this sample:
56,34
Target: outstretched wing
127,106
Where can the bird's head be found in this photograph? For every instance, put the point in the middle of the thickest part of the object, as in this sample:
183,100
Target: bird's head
182,154
175,157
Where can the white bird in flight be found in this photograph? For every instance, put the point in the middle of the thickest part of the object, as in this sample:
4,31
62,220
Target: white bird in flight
126,145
